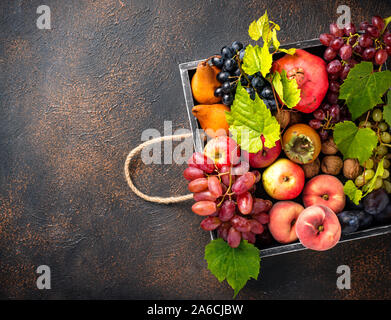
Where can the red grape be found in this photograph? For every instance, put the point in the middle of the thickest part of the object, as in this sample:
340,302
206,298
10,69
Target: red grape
345,52
334,67
204,208
332,97
381,56
364,25
323,135
222,231
329,54
192,173
240,169
387,39
345,72
198,185
227,210
365,41
257,175
349,29
214,186
315,124
326,38
334,76
358,49
241,224
256,227
334,87
334,112
388,49
368,54
234,237
245,203
225,177
210,223
373,31
337,43
243,183
249,236
334,30
201,161
260,205
262,217
378,22
319,114
204,196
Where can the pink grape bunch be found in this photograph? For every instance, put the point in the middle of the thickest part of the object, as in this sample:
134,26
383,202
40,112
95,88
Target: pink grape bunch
224,195
345,48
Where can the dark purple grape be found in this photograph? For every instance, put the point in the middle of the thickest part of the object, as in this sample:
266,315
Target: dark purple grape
334,67
219,92
344,72
345,52
223,76
237,46
226,87
349,222
385,215
376,201
368,54
337,43
365,41
387,39
227,52
230,65
251,93
334,30
329,54
326,38
364,219
388,49
378,22
358,49
236,72
218,62
227,99
333,77
335,112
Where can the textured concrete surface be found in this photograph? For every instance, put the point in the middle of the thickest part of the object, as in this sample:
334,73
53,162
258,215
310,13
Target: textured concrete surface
75,99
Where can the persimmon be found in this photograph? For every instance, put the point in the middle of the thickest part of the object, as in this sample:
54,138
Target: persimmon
301,143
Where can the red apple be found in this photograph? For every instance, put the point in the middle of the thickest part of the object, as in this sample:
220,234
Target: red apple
265,157
283,217
318,228
325,190
223,150
283,180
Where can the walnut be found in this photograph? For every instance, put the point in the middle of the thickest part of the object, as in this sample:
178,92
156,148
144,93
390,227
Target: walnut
311,169
329,147
283,117
332,165
351,169
295,118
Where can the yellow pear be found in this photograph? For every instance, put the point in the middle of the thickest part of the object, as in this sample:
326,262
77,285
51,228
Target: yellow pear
204,83
212,118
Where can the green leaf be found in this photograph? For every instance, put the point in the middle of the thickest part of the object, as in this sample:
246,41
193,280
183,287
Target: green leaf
287,90
387,109
276,43
260,28
363,88
249,119
257,59
386,22
352,192
236,265
368,187
354,142
290,51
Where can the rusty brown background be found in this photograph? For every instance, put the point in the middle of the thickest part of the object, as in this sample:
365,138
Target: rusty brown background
75,99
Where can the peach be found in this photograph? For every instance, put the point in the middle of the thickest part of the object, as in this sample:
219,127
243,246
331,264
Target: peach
324,190
318,228
283,216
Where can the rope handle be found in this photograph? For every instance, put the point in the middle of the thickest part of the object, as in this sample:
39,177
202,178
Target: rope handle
164,200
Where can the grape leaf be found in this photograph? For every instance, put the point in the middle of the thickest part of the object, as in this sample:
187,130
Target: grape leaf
354,142
257,59
276,43
363,88
260,28
236,265
352,192
249,119
387,109
287,90
290,51
368,187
